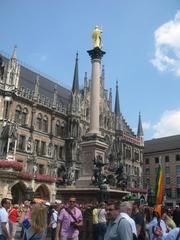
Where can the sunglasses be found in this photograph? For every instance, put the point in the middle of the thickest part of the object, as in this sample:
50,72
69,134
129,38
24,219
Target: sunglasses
72,201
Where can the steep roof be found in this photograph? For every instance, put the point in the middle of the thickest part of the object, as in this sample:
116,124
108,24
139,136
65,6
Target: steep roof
162,144
46,86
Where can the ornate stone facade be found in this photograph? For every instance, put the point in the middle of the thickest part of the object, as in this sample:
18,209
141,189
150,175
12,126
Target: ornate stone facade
42,126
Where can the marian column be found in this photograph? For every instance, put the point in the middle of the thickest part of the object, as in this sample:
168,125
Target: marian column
93,145
96,54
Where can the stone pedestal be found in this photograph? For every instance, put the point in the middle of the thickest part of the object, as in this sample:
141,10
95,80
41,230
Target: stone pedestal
91,147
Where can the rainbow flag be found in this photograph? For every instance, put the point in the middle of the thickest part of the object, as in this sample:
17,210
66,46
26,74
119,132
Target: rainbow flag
159,186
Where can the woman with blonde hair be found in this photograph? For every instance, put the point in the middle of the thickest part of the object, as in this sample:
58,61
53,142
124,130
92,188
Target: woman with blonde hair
35,228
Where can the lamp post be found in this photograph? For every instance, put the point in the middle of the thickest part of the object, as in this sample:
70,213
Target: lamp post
104,195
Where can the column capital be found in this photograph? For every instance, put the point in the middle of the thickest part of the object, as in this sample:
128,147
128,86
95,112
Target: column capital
96,53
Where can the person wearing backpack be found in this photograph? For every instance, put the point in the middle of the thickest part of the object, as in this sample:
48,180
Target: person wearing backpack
126,211
69,221
118,227
35,228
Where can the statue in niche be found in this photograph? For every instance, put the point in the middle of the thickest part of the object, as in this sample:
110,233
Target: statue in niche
71,175
54,172
13,131
62,175
50,148
29,145
12,136
35,169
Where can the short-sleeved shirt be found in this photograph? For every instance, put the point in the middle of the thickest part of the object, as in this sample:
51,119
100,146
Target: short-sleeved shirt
13,214
102,215
95,216
67,230
3,218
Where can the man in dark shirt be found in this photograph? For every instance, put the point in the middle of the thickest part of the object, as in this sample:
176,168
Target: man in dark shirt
176,216
138,217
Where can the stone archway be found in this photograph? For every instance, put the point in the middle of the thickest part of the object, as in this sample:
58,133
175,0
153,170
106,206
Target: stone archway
18,192
42,191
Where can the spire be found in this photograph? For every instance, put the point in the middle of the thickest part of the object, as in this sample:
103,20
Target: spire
102,77
13,71
75,87
55,96
36,88
117,105
85,80
110,99
140,129
110,95
14,53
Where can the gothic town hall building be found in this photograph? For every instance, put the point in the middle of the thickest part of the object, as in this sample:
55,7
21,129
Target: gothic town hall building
42,126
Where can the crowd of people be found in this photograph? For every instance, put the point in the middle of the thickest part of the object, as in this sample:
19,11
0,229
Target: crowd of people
91,221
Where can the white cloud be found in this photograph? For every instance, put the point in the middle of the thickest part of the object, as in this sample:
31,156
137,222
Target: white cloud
167,46
169,124
146,125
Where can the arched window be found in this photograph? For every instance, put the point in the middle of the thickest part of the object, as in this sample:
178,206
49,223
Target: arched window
57,128
45,124
18,114
39,121
24,116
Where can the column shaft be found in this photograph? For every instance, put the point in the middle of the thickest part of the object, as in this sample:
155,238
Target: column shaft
95,97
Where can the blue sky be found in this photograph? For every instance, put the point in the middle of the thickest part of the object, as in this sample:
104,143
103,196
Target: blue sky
141,39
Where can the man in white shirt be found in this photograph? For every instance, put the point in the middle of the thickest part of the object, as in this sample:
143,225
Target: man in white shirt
4,222
125,212
53,222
